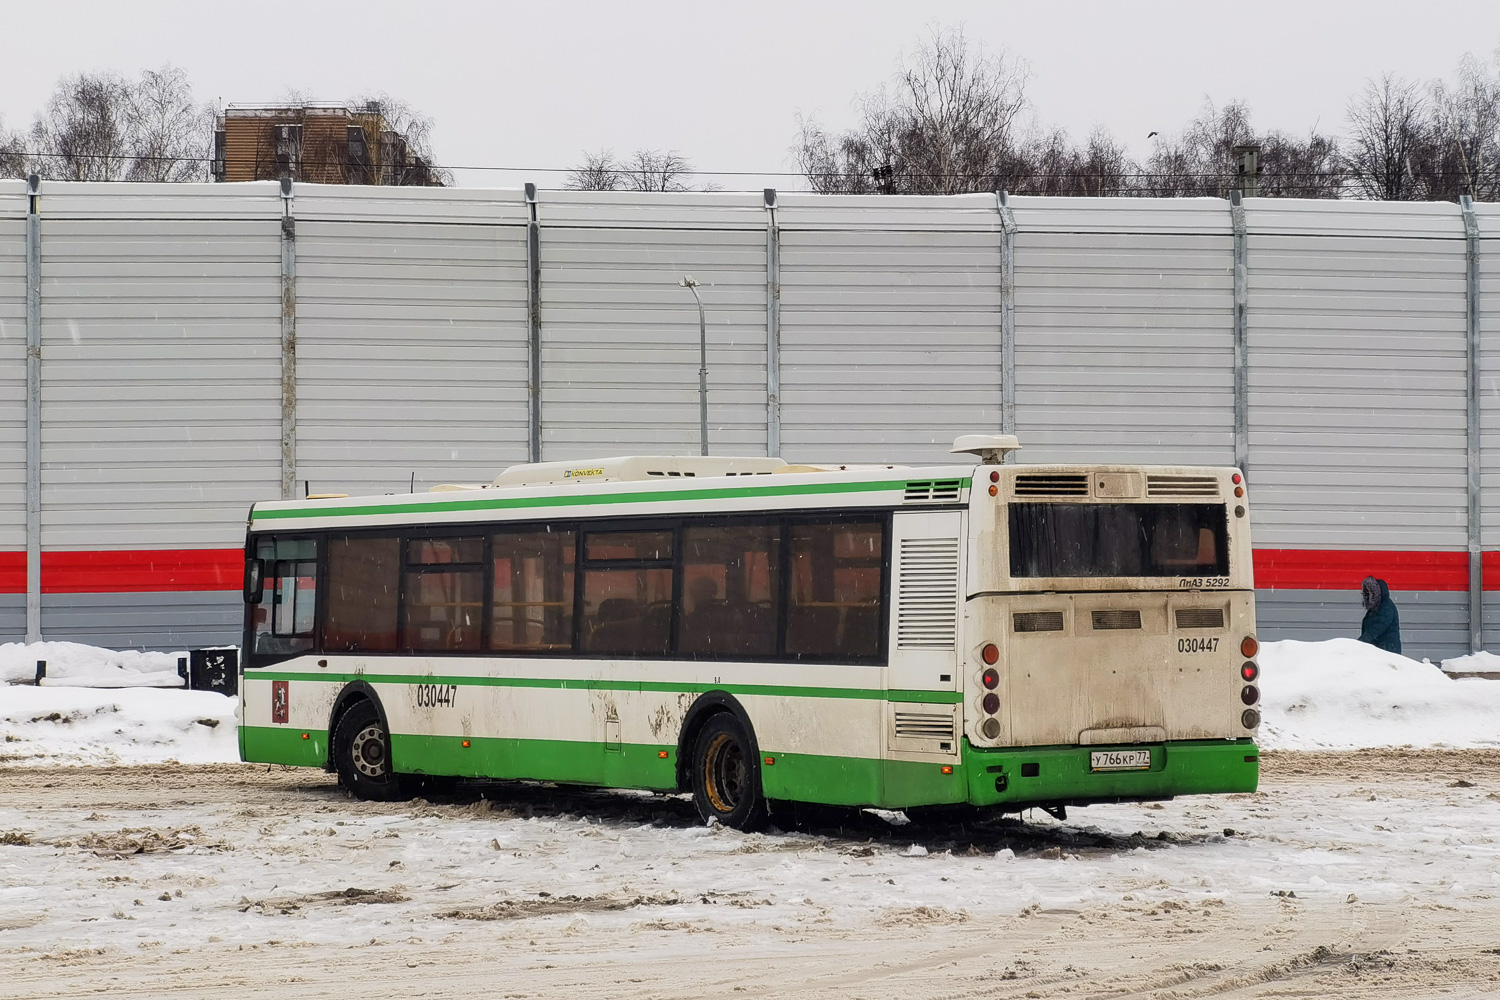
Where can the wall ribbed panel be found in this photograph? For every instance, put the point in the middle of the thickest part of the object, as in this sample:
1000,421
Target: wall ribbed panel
411,339
12,366
1124,331
1357,361
1488,219
890,326
620,341
160,363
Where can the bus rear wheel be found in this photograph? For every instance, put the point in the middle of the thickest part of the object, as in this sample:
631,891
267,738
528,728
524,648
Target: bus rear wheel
362,755
726,775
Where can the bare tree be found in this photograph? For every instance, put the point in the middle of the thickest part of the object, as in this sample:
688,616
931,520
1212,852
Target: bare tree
1050,164
12,153
170,137
1389,123
84,132
643,170
415,128
598,172
102,127
1462,155
948,128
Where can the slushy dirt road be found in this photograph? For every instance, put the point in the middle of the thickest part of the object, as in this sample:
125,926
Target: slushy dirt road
1369,874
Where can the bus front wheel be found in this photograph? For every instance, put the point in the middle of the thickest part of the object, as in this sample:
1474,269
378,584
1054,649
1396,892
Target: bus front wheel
362,755
726,775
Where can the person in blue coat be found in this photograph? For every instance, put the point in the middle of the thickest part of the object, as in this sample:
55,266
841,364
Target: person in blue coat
1382,626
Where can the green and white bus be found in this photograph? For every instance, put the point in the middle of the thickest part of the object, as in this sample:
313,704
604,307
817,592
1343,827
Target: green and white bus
1002,636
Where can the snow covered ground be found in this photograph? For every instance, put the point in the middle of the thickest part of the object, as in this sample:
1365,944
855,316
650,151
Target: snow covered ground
1339,694
1372,874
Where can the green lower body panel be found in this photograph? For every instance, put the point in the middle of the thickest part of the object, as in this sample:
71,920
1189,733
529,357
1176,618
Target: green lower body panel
1010,778
1020,777
284,745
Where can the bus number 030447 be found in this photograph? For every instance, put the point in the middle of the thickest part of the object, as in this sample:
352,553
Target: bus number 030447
436,695
1197,645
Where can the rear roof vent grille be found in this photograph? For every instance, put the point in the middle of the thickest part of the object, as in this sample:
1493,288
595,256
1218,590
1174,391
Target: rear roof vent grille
1182,486
1037,621
922,726
1117,619
936,491
1200,617
1052,484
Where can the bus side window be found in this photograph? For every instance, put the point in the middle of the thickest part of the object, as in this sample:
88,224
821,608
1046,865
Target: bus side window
532,609
364,583
286,626
442,589
833,609
730,599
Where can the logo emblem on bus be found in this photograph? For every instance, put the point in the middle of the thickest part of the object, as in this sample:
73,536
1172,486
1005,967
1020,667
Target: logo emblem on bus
280,701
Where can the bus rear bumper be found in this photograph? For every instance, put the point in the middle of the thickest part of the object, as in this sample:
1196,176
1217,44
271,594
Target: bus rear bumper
1021,777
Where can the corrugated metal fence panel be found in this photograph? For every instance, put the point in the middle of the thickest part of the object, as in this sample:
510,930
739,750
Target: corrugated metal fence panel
1488,219
1357,361
411,339
1124,330
890,326
12,365
160,363
620,335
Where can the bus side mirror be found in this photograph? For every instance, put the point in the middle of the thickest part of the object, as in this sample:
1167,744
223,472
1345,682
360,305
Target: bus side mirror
255,579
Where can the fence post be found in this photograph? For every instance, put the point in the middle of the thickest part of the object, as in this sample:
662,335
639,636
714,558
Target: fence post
773,327
1007,316
1241,336
33,410
1472,400
288,343
533,329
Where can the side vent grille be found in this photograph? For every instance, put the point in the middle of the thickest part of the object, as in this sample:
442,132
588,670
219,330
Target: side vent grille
1200,617
1037,621
1182,486
1117,619
927,594
1052,485
922,726
937,491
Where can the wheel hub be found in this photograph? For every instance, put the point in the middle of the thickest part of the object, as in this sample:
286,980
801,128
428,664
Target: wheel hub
369,753
724,777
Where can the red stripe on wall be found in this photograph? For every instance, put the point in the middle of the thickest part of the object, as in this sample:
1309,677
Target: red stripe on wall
164,570
1345,569
136,571
12,572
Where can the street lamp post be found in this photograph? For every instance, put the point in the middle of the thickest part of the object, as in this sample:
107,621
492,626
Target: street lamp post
691,285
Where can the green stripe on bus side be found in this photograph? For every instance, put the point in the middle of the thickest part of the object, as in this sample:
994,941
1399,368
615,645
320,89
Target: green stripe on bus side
588,684
518,503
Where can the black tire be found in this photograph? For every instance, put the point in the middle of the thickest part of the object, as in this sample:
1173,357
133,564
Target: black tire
362,756
726,774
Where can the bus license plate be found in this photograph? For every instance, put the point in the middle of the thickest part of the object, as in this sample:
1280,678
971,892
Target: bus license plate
1120,760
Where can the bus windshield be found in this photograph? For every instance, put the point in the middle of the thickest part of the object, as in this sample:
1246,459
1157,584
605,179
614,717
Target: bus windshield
1118,539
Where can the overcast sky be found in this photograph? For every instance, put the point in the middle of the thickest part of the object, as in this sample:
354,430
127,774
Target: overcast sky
530,86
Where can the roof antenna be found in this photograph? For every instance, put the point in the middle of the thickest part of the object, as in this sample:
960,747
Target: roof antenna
413,488
306,491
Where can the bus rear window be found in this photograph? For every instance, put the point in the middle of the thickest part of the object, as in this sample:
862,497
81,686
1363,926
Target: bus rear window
1118,539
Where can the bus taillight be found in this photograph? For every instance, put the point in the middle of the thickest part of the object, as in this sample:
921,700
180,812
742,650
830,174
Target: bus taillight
1249,671
991,653
1249,718
1249,647
990,679
1250,694
991,703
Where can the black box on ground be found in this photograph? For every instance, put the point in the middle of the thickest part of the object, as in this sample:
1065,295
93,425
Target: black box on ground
214,670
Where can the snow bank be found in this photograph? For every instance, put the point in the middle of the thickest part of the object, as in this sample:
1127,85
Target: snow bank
61,725
1343,694
75,665
1483,662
